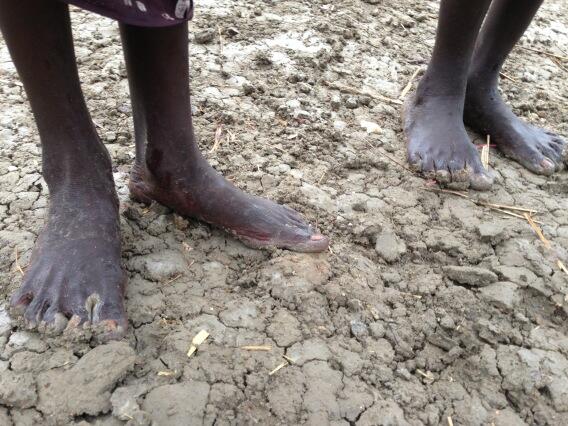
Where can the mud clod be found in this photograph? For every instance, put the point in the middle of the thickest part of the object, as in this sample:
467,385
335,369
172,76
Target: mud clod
469,275
95,374
172,405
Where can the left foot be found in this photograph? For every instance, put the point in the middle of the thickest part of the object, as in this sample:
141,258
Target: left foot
540,151
201,192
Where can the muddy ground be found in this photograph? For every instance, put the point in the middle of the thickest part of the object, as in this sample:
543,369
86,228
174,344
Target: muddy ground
428,309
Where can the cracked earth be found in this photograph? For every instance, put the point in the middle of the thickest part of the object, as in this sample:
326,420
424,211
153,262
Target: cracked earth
428,307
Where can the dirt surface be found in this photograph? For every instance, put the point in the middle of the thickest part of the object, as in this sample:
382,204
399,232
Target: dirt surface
427,308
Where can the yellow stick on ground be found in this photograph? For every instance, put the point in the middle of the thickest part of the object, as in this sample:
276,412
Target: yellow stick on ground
485,153
265,348
197,340
545,241
538,231
409,85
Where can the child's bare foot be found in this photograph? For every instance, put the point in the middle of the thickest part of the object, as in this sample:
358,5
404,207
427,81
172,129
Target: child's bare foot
75,279
540,151
438,144
202,193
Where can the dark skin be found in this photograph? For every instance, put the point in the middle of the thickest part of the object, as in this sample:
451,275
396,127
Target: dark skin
169,167
461,85
75,279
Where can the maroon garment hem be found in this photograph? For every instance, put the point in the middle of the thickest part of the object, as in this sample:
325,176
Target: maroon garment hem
141,13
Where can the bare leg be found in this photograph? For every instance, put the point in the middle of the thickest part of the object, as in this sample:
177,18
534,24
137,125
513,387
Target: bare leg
171,170
438,144
485,110
75,273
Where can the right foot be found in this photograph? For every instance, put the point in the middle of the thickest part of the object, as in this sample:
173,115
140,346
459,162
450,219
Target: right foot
438,144
75,279
200,192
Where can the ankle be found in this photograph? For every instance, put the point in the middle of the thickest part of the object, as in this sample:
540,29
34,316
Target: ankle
482,80
85,176
175,164
435,86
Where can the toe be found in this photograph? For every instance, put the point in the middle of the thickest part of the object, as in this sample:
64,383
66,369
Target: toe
109,310
415,161
35,311
460,175
547,166
479,178
553,154
481,181
20,302
74,325
316,243
533,160
107,316
53,323
109,329
443,176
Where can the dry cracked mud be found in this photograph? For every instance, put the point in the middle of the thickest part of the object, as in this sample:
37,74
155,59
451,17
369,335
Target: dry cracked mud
427,307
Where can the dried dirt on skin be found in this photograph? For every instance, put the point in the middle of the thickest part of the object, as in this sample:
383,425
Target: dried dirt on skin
426,308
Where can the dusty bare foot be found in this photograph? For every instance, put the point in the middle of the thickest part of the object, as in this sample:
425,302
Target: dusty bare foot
438,144
538,150
75,279
200,192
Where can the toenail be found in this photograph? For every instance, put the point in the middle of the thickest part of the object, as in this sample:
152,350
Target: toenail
93,306
74,321
547,164
318,237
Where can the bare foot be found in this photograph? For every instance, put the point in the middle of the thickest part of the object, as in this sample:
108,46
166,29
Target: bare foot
538,150
438,144
200,192
75,279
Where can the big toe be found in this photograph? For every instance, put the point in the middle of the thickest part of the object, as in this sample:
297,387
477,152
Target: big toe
314,244
545,166
302,239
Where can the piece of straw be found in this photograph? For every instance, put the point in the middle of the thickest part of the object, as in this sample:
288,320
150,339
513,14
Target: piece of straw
409,85
280,367
261,348
197,340
485,153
